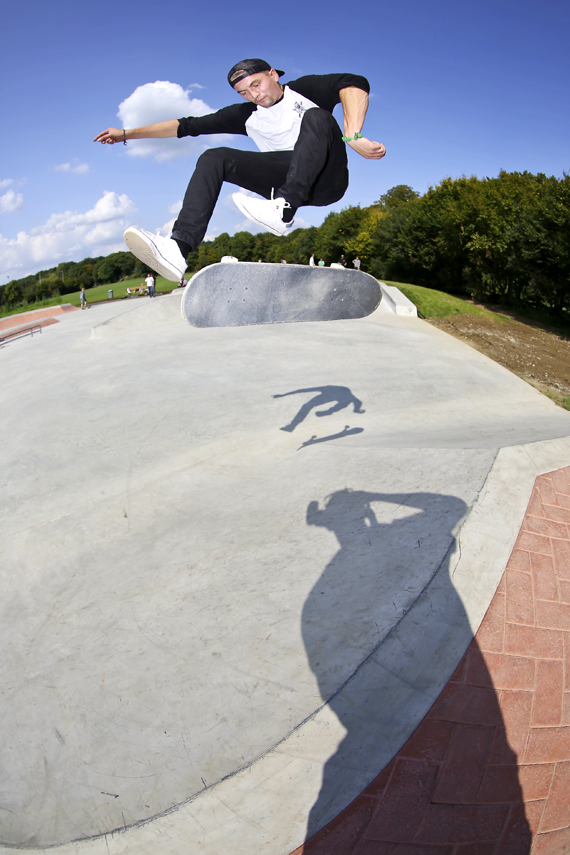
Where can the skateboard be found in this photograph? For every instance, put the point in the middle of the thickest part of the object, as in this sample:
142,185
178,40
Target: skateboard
247,293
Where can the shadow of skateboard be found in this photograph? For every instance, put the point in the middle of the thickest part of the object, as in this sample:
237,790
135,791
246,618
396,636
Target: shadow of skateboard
233,295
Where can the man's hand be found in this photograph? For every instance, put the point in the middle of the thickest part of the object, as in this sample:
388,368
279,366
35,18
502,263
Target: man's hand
111,136
368,149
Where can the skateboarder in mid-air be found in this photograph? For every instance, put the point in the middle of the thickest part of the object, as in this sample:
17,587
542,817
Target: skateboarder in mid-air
302,158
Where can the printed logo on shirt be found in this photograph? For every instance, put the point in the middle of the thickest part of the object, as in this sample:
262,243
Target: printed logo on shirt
299,108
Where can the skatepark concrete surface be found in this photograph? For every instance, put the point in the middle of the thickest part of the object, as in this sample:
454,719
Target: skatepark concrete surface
239,566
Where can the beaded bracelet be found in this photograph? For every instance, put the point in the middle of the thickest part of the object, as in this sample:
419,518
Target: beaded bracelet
350,139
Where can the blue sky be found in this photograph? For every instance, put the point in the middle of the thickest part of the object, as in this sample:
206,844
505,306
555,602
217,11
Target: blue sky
457,88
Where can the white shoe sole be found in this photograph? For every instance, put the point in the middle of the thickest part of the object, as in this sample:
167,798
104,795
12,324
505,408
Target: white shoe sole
239,203
139,245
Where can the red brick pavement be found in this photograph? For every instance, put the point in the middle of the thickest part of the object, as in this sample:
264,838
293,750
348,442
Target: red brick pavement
27,318
487,772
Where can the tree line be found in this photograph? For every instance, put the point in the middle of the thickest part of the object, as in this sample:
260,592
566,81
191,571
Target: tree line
502,240
70,276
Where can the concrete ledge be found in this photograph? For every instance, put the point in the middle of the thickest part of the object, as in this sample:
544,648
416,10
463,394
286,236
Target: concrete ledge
395,302
26,318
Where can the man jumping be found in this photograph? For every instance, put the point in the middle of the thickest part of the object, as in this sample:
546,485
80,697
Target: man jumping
302,158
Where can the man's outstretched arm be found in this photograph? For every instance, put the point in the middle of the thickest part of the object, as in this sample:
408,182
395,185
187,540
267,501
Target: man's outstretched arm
355,105
160,130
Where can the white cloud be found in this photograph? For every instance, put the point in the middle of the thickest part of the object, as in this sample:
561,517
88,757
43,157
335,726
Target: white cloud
11,202
196,86
159,102
68,236
175,208
6,183
300,223
249,226
73,166
166,228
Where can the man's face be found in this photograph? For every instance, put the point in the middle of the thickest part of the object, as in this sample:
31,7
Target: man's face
262,88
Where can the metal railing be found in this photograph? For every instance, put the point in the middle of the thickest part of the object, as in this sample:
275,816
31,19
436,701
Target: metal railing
20,331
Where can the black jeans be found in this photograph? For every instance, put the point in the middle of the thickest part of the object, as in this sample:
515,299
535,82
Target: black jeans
314,173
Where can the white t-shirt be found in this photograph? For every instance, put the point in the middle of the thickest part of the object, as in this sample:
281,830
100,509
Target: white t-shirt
276,128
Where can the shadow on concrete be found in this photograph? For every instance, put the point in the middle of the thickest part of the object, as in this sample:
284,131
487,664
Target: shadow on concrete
455,780
339,396
346,431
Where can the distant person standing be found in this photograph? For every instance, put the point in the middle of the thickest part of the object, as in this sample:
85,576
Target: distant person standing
83,298
149,281
312,260
321,262
356,263
342,261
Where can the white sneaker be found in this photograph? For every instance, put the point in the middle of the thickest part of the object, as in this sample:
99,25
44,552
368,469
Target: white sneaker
265,212
159,253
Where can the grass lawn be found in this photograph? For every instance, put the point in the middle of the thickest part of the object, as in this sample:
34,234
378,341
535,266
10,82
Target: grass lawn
119,289
437,304
94,295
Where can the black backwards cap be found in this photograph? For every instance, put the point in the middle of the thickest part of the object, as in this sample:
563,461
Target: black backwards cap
246,67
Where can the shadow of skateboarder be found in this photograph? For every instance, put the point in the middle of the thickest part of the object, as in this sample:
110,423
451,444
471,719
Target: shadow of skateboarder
340,396
352,625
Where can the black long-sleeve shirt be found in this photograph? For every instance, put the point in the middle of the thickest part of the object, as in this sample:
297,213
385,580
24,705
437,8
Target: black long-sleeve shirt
322,89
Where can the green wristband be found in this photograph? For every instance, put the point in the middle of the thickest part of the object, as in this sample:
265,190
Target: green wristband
350,139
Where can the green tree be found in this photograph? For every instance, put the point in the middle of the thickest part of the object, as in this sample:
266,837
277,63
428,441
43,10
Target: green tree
337,231
398,195
12,293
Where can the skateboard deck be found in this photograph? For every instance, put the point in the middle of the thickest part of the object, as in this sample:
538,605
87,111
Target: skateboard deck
234,295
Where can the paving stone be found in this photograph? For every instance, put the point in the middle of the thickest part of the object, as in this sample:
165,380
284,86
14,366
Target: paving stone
548,528
546,491
561,554
543,577
552,615
557,812
404,803
534,543
535,506
547,710
519,597
378,785
464,765
517,837
492,633
554,843
519,560
534,642
466,704
560,482
463,823
548,745
430,741
551,512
